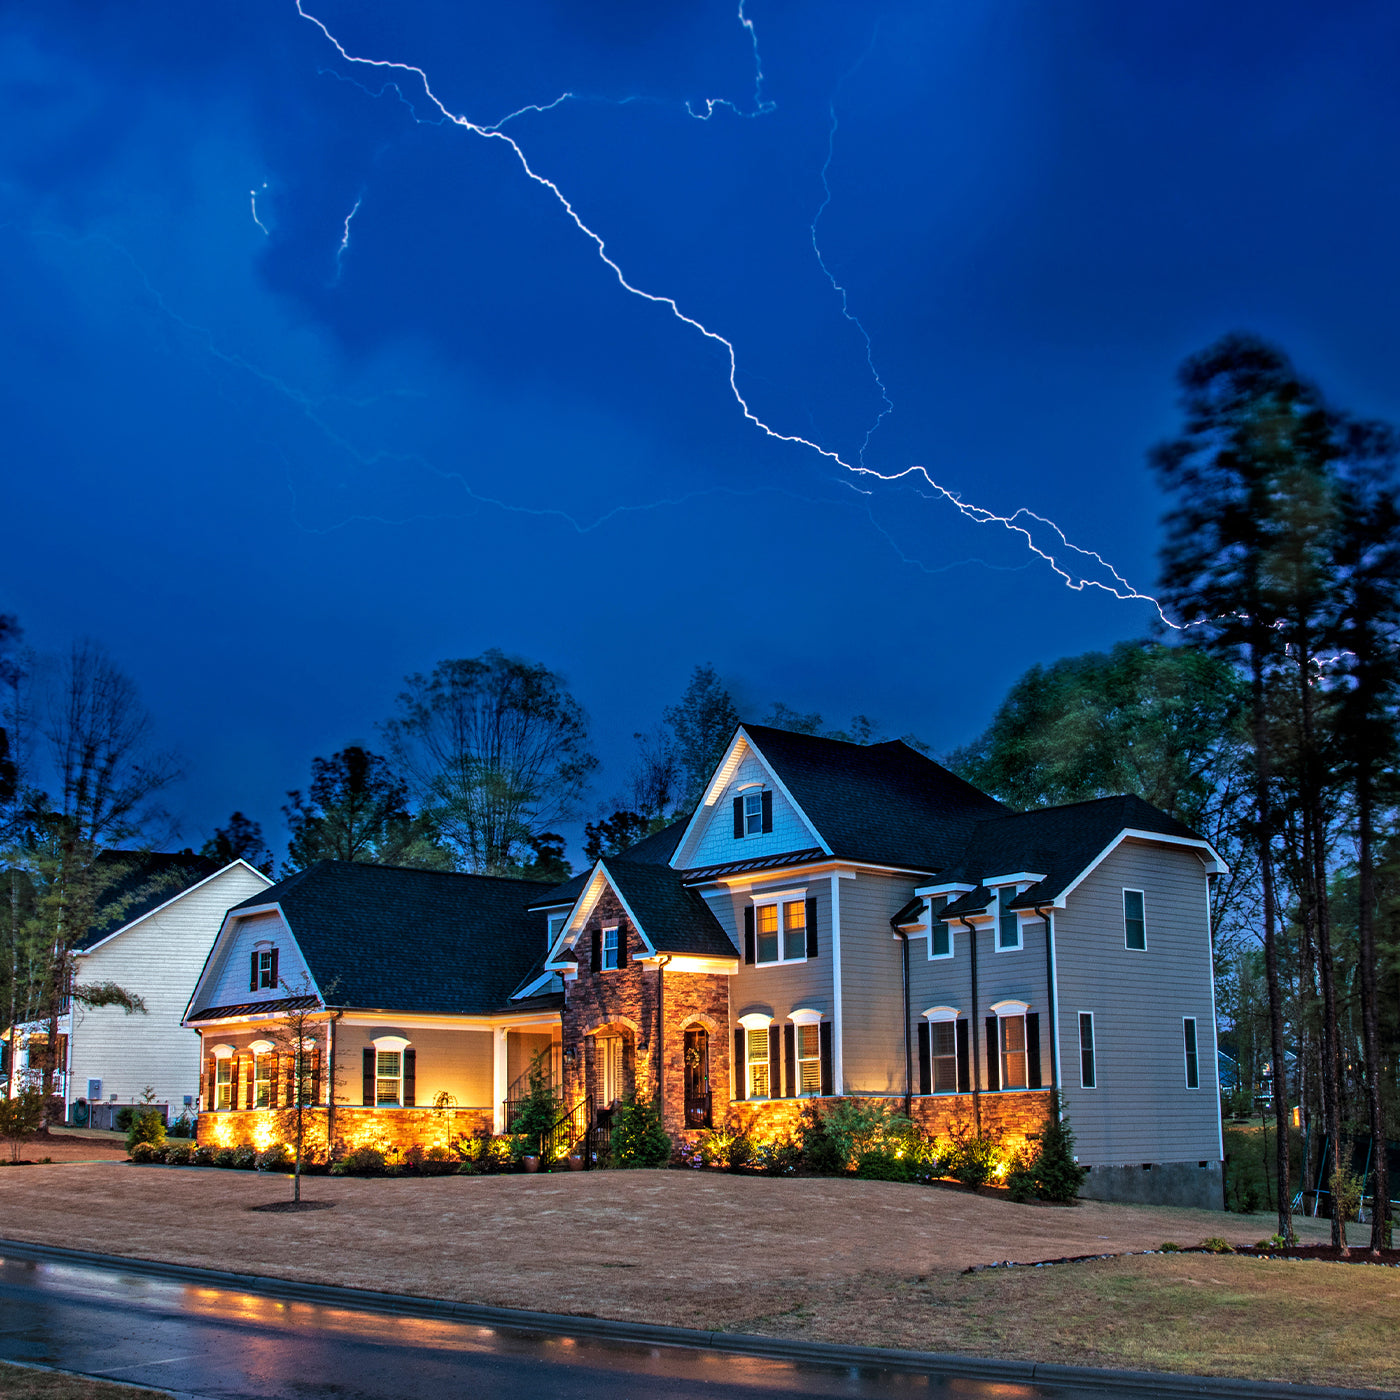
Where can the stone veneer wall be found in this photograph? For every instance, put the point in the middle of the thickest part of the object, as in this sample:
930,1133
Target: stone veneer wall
394,1129
625,1001
1008,1118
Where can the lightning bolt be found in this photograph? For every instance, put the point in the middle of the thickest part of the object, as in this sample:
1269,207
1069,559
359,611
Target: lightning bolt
253,200
1118,588
345,237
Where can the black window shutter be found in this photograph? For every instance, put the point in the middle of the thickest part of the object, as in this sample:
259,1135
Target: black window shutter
738,816
811,928
275,1081
828,1079
622,945
925,1059
749,954
276,981
1033,1049
767,811
367,1062
790,1061
253,975
597,949
315,1090
410,1078
775,1062
993,1055
964,1061
741,1074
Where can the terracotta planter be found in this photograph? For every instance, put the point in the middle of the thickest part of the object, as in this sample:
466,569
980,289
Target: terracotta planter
531,1164
575,1164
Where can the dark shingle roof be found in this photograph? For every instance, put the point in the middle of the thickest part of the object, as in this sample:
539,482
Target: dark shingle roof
137,882
675,919
882,803
700,874
1056,843
656,849
384,937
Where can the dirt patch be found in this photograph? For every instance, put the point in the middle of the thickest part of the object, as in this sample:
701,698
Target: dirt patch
65,1148
860,1261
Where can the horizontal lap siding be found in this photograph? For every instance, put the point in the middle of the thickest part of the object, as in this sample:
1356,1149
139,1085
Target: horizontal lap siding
159,959
230,979
457,1062
872,985
1142,1110
717,843
777,989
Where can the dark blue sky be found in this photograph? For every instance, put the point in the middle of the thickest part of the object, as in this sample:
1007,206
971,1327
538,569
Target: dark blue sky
274,466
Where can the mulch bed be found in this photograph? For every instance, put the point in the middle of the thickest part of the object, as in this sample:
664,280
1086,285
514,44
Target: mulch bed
1360,1254
282,1207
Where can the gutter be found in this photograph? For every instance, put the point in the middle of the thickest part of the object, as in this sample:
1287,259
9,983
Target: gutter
908,1054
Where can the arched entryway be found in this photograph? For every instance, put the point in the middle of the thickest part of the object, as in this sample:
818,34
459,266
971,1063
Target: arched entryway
697,1078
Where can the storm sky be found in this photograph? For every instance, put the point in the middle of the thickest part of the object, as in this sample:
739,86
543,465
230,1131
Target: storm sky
308,384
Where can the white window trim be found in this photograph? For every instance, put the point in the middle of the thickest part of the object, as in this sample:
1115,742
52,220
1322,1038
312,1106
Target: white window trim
1128,947
391,1042
805,1016
1185,1059
223,1052
262,1047
1094,1048
934,919
997,944
803,1019
780,897
603,949
1010,1007
757,1021
744,793
1011,1011
941,1013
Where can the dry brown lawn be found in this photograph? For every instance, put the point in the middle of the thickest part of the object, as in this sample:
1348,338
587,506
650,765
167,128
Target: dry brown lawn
851,1261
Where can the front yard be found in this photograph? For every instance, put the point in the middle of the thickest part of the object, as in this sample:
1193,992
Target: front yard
838,1260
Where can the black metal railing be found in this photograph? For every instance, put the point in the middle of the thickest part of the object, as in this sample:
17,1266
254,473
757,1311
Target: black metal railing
513,1107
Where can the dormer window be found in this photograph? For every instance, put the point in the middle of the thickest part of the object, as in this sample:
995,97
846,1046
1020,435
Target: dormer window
1008,923
753,812
263,973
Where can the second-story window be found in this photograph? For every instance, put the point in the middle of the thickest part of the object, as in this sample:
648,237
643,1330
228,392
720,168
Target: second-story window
940,938
778,931
264,972
1134,921
1008,923
610,950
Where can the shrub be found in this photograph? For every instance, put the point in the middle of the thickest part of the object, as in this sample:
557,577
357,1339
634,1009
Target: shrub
244,1157
362,1161
974,1160
182,1127
780,1157
1170,1247
20,1117
860,1125
468,1169
539,1112
822,1151
1058,1176
145,1153
275,1159
881,1164
178,1154
1020,1179
225,1157
1215,1245
146,1126
638,1139
204,1156
124,1118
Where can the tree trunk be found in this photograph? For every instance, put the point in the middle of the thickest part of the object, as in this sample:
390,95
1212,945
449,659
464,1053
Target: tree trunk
1370,1017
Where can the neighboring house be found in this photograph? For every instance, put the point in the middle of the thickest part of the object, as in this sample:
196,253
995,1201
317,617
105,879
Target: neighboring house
406,975
170,908
833,920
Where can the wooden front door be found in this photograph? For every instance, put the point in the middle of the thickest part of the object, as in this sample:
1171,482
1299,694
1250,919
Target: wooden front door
697,1078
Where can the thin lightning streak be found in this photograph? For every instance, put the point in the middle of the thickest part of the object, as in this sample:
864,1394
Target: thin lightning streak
345,237
253,200
1119,589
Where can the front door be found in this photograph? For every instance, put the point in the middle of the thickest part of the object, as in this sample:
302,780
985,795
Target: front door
697,1077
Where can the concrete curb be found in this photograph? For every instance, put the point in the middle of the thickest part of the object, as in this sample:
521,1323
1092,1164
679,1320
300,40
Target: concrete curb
1158,1384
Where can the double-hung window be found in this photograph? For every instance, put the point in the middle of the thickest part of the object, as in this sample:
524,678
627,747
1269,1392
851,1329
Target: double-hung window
267,968
780,931
1134,921
262,1078
388,1077
611,946
756,1046
1012,1032
1087,1076
943,1053
223,1083
809,1059
1008,922
1193,1061
940,936
610,1087
753,813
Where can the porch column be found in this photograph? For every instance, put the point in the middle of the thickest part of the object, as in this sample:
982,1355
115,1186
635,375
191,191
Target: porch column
499,1080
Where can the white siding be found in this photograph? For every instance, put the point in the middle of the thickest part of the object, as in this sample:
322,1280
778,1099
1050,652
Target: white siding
228,979
716,843
1141,1110
159,958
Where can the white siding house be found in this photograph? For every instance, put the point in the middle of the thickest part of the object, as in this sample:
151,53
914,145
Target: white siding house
159,957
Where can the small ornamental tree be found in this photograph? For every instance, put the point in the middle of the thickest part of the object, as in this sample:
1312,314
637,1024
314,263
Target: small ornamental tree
20,1117
638,1139
539,1113
1058,1176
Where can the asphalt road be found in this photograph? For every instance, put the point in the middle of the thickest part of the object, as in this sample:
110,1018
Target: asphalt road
228,1343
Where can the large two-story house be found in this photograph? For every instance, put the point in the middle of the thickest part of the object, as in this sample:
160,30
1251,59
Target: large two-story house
833,920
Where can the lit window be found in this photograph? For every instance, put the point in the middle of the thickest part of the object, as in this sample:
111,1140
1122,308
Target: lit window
794,930
267,968
940,939
1087,1079
943,1049
1012,1030
767,918
756,1042
223,1083
809,1060
610,950
609,1070
388,1077
780,931
1008,924
753,814
1193,1063
1134,921
262,1080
